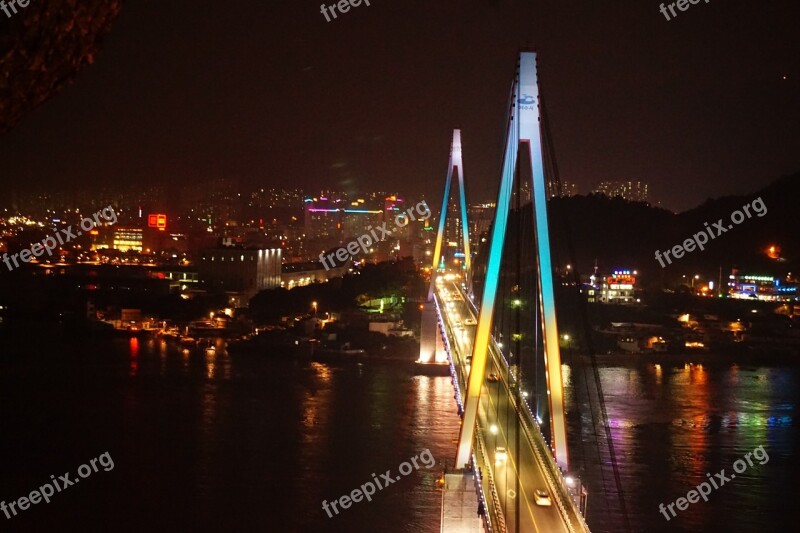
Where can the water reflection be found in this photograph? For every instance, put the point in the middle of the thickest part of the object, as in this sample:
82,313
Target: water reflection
211,362
673,424
163,350
134,357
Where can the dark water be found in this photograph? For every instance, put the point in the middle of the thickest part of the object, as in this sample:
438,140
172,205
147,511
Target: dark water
674,423
215,442
205,442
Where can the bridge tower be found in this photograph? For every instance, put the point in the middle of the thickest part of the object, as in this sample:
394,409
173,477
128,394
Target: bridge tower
431,343
456,166
523,138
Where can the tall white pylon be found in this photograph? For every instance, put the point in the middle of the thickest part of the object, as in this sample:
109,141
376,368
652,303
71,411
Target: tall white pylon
456,165
523,134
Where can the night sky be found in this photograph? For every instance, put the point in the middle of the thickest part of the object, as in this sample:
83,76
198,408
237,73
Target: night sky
270,93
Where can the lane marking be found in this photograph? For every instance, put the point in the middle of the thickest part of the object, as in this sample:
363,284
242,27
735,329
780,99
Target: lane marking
485,391
514,465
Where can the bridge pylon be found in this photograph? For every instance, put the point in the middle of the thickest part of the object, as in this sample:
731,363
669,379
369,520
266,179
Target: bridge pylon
523,147
456,165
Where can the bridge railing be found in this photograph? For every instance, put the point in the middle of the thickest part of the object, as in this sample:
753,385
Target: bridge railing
553,474
495,509
554,477
454,370
479,449
556,473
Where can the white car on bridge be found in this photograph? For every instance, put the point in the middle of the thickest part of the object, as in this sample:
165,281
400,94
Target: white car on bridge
542,497
500,455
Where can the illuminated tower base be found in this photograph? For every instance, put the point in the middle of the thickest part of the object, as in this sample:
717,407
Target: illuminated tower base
432,356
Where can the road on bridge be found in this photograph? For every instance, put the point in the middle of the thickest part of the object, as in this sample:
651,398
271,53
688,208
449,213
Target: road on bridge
520,475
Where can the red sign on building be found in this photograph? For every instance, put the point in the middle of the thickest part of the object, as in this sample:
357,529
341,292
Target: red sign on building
157,221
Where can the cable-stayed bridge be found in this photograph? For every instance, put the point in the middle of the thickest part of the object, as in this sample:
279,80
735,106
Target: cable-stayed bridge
511,466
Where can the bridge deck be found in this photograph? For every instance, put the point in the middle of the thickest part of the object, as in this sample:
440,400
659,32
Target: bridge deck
529,466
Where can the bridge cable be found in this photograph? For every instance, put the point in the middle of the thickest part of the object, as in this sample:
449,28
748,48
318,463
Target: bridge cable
518,330
549,154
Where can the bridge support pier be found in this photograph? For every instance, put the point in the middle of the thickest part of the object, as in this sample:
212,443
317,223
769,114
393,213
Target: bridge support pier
432,355
429,335
460,503
431,343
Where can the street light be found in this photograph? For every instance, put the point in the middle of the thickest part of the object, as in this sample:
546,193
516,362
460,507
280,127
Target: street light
314,305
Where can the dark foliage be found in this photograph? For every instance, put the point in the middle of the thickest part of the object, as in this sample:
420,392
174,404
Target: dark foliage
372,281
43,47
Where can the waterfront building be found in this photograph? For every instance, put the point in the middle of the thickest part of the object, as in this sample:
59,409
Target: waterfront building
761,287
616,288
240,272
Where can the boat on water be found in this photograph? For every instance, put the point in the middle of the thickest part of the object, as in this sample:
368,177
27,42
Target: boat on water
637,345
340,351
629,345
207,328
188,341
172,333
344,349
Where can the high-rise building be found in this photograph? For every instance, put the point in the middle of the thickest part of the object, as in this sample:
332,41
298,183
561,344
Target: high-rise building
323,218
633,191
128,238
274,207
565,190
479,217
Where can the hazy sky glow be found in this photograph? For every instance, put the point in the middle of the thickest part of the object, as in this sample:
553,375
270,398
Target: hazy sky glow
271,93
